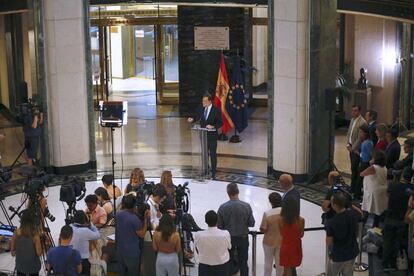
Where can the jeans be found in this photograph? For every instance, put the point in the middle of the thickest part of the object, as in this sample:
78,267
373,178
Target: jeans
355,171
271,256
395,237
167,264
341,268
128,266
208,270
241,245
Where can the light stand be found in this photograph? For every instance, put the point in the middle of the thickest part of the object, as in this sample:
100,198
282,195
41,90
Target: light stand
113,115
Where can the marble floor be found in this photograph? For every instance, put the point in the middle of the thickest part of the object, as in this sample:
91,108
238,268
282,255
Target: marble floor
205,196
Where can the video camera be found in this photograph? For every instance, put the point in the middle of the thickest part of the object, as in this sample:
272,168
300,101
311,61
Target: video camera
181,197
72,190
143,191
37,184
340,187
28,109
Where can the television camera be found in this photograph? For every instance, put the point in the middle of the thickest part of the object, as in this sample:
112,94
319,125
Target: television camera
28,110
73,190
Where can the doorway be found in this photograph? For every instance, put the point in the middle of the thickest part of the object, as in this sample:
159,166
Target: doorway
136,61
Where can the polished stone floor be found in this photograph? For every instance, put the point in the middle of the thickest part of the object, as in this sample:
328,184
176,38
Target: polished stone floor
204,196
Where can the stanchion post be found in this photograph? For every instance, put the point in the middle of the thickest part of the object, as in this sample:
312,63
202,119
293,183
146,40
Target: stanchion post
254,242
360,266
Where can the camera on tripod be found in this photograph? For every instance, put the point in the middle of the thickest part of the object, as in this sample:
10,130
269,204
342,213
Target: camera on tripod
72,190
36,185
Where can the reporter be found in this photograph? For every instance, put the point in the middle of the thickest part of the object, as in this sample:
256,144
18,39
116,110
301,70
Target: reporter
130,229
168,205
83,233
107,181
155,200
166,242
26,246
95,213
137,178
104,200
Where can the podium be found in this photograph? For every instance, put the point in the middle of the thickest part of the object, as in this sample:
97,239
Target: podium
200,166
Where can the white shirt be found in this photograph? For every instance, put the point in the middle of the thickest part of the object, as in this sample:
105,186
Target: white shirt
352,130
208,111
155,220
290,189
213,246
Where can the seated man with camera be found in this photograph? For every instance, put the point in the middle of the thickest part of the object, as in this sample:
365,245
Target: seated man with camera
97,215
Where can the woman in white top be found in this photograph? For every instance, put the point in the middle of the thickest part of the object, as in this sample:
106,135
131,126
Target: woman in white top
375,199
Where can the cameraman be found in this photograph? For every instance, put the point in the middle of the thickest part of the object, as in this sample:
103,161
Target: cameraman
129,230
32,130
83,233
158,195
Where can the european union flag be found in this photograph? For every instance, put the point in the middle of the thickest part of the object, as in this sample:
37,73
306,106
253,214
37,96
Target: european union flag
237,103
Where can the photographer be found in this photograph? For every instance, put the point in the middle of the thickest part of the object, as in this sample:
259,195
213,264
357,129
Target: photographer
155,200
129,230
83,233
32,130
95,213
136,179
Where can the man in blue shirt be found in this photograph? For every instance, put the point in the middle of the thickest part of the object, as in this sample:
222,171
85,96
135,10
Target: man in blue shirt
64,259
129,230
83,233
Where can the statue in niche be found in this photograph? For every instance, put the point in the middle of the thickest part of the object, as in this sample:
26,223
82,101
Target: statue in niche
362,82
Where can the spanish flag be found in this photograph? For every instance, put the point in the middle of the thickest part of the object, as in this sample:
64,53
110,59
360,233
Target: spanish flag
220,98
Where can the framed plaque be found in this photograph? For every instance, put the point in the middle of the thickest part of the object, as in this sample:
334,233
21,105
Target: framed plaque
211,38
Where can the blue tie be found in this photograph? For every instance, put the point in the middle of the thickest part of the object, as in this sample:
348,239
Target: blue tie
205,113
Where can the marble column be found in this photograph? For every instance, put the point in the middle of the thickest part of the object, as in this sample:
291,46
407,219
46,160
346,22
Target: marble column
67,86
290,86
296,93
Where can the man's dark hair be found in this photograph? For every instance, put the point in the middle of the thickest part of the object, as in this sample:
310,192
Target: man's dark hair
275,199
208,96
407,173
373,114
232,189
339,200
357,106
128,201
380,158
91,199
159,190
290,210
409,142
393,132
80,217
211,218
66,232
107,179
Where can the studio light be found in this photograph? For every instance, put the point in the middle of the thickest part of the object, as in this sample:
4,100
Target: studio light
389,58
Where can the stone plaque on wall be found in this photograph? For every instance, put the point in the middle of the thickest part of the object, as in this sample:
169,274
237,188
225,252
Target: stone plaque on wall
211,38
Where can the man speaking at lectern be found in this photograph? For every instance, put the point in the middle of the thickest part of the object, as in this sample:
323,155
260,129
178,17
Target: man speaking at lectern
210,117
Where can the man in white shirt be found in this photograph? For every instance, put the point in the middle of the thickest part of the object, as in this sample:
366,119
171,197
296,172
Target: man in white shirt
213,247
158,195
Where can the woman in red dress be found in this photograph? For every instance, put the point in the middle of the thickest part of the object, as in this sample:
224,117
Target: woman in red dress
291,227
380,132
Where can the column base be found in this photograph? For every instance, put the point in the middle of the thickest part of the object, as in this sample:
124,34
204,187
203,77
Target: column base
72,169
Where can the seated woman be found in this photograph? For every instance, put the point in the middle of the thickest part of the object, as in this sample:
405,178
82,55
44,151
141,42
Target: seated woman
375,198
168,205
107,181
137,178
104,200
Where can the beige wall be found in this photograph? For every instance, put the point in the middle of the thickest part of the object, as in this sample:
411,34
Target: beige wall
4,85
371,44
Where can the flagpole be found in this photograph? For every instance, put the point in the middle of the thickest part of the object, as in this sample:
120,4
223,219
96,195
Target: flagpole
235,138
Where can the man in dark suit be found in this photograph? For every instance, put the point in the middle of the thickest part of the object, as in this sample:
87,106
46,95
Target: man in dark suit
371,118
286,182
210,117
393,149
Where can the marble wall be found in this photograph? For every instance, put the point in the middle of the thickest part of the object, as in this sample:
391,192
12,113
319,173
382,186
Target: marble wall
198,70
66,83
